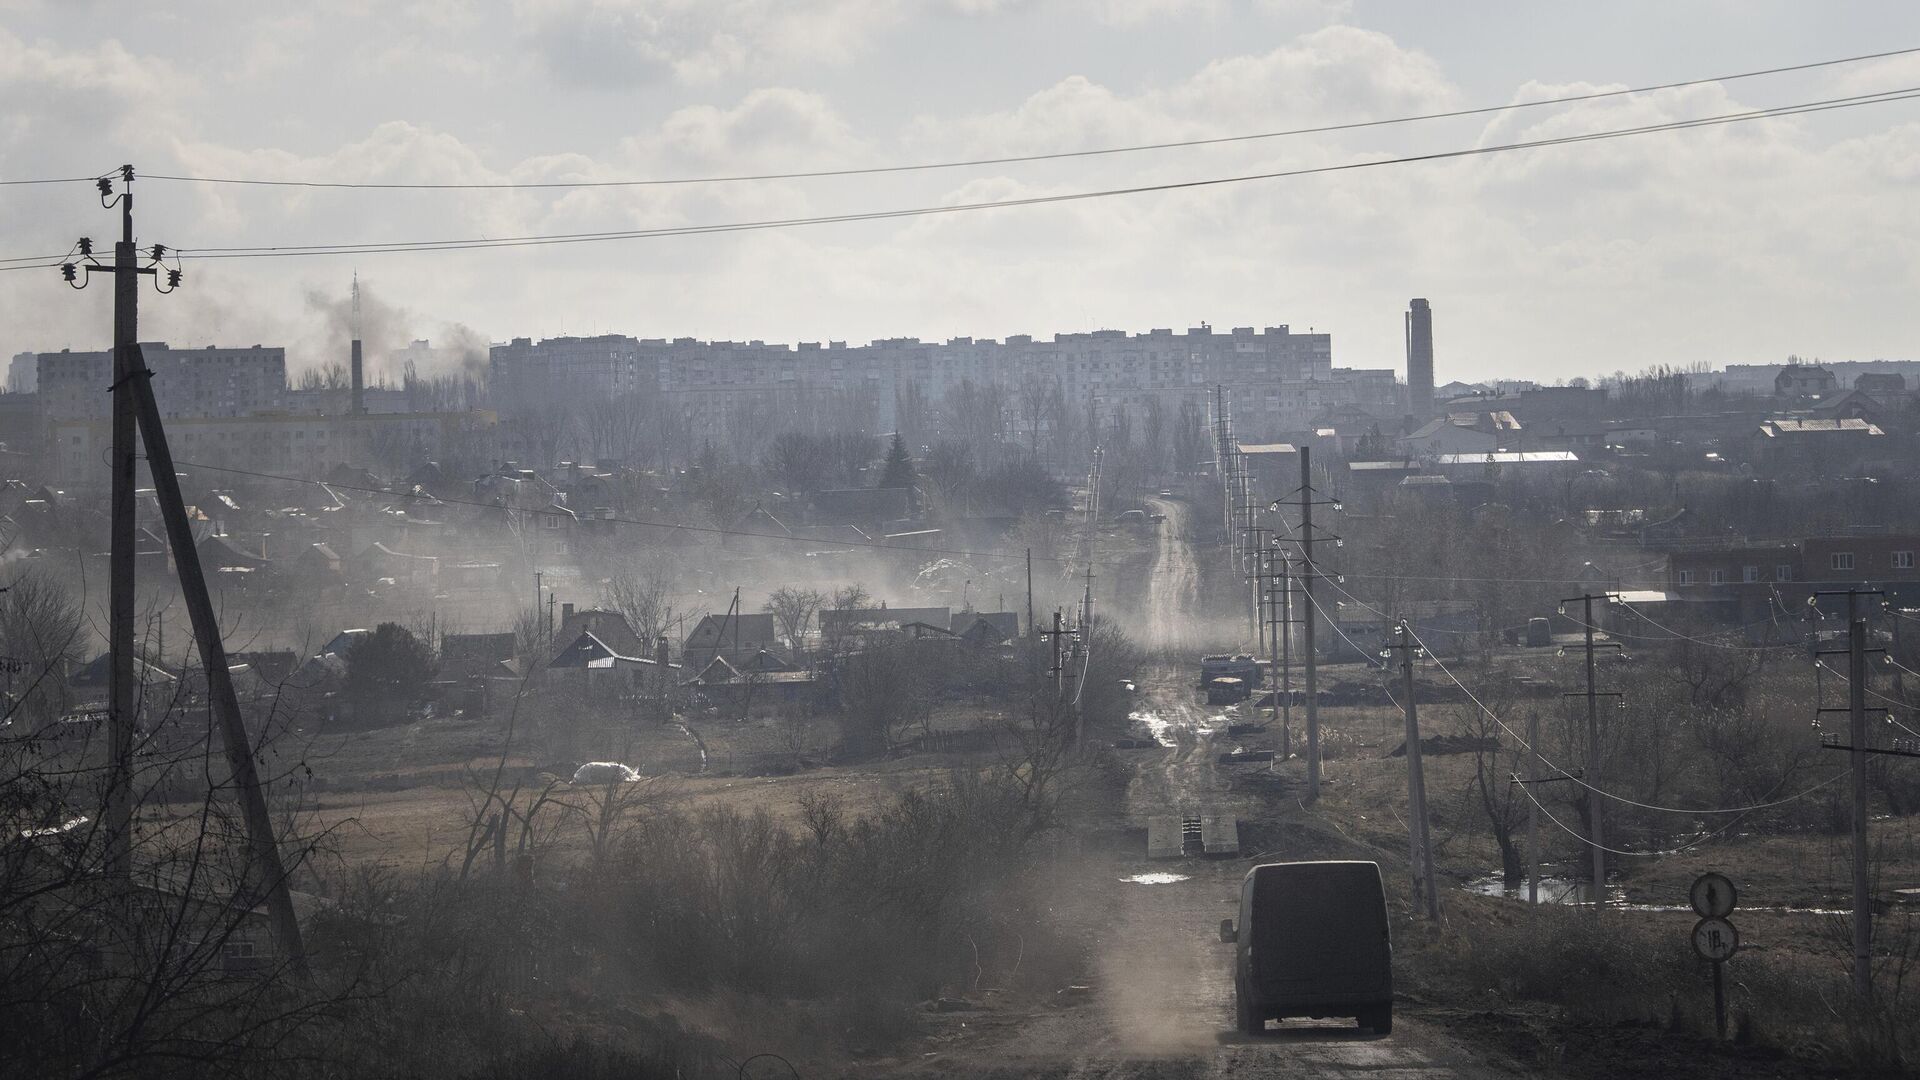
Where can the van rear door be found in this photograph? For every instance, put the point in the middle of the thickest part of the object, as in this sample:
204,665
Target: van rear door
1320,932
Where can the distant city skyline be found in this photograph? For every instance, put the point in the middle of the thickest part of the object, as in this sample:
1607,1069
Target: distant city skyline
1737,244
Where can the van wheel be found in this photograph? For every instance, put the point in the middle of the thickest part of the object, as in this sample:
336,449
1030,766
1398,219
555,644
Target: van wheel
1379,1018
1248,1021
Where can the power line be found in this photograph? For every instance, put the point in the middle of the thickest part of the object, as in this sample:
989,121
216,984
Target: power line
51,180
1014,159
538,240
1682,849
1606,794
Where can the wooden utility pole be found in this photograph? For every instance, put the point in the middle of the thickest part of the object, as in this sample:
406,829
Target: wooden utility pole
1309,617
1418,839
122,698
1030,626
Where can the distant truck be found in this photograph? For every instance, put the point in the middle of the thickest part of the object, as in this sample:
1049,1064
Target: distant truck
1242,666
1227,690
1312,940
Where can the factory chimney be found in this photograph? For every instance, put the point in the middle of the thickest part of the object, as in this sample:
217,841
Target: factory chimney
1420,360
359,406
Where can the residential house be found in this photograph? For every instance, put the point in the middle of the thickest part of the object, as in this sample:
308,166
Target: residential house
1735,584
732,636
1834,445
1883,561
1804,380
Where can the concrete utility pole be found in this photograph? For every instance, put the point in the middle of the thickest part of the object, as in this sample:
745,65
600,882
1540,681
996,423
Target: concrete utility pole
1286,659
1059,684
1533,811
122,699
1857,767
1857,751
1309,617
269,873
135,410
1417,837
1596,806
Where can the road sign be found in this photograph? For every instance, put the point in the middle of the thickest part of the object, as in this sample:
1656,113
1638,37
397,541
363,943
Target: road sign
1715,939
1713,896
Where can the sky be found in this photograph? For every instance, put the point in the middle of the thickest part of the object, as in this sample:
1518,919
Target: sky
1732,244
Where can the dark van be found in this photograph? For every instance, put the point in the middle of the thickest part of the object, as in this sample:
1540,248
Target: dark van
1312,941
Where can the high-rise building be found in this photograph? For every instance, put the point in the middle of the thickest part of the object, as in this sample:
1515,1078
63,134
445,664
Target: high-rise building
1420,359
23,377
205,382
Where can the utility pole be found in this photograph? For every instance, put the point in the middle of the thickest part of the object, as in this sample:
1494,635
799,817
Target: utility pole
1275,587
122,699
1059,684
1272,623
269,873
1857,767
133,394
1596,806
1030,593
1533,811
1858,750
1286,659
1309,617
1417,836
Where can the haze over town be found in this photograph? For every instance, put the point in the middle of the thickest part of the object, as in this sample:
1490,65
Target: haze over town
1148,538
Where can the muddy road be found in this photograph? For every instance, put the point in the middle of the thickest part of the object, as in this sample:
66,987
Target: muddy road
1173,589
1159,1003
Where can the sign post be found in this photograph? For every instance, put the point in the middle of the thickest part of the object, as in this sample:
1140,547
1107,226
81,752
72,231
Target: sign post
1715,939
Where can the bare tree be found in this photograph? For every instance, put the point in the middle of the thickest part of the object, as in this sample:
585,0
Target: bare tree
793,609
950,471
884,690
799,462
641,590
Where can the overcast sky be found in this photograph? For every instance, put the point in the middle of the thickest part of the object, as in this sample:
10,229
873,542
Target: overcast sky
1726,245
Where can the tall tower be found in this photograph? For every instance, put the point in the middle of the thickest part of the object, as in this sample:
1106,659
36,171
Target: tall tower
359,372
1420,359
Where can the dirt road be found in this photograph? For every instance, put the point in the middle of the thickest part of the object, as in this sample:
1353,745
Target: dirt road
1161,1000
1173,589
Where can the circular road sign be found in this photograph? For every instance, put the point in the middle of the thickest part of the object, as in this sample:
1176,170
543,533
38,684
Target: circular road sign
1713,896
1715,939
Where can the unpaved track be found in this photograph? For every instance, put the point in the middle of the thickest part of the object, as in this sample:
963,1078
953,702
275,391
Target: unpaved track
1161,1002
1173,588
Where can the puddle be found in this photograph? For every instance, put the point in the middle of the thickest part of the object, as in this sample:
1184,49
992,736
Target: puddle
1158,727
1559,890
1553,890
1154,879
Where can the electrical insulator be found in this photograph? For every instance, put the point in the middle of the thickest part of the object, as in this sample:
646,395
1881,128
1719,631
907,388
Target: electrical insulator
86,245
159,251
106,186
173,279
69,271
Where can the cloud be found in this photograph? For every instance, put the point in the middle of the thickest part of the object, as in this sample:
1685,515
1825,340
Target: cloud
614,43
1736,243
